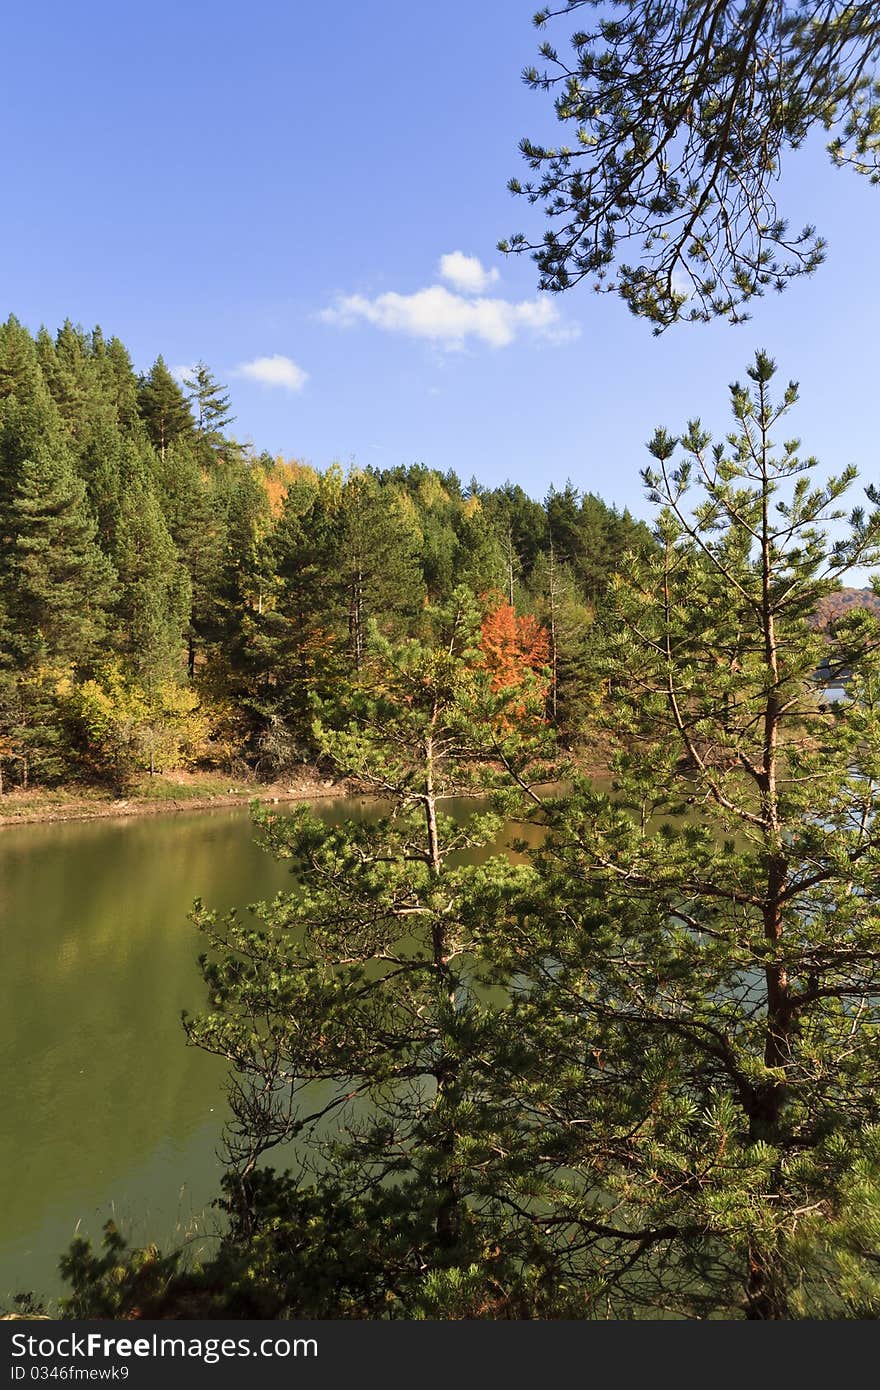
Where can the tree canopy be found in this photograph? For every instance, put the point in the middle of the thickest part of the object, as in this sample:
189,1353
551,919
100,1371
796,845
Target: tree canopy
625,1069
681,113
167,596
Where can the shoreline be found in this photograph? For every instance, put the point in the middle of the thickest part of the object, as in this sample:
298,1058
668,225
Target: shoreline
183,792
67,805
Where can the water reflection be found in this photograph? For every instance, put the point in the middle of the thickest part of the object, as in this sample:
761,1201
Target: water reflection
106,1110
105,1107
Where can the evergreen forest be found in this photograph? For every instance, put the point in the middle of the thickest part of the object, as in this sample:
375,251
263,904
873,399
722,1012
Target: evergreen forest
575,1013
585,1050
169,599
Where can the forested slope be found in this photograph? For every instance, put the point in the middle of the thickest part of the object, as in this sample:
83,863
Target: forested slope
170,598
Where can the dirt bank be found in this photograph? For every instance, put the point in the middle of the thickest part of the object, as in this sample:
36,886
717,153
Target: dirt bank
193,791
180,792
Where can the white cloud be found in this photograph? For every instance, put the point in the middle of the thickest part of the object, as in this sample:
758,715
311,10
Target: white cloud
274,371
182,373
682,283
449,320
465,273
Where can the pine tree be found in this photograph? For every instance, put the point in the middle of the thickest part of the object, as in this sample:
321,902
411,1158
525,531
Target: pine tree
483,562
70,374
683,115
55,582
703,1029
375,560
433,502
163,407
295,646
56,586
557,601
521,525
195,513
153,608
121,383
363,1026
209,404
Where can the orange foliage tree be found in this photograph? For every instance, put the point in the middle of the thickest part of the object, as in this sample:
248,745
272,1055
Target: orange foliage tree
513,647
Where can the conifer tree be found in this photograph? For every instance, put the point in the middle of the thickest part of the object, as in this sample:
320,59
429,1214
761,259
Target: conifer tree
521,526
121,383
681,116
163,407
512,646
563,508
375,560
70,374
557,601
209,404
484,559
435,502
295,646
362,1026
56,584
153,608
699,1029
195,513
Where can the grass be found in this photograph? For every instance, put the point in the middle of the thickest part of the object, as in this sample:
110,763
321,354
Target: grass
46,802
86,801
175,788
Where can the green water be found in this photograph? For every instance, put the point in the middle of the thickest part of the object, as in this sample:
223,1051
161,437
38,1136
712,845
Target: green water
105,1110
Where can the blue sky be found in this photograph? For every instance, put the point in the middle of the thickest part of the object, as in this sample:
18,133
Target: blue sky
279,183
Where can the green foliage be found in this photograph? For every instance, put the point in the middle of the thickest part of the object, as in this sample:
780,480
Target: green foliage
359,1011
698,1028
680,118
209,404
555,597
55,582
630,1074
155,595
33,746
163,407
130,529
116,1283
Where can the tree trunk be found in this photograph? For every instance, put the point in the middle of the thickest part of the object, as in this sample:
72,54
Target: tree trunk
764,1299
510,566
554,648
448,1220
356,620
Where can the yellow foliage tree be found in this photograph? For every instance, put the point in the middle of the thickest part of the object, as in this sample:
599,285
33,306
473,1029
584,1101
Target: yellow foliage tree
127,727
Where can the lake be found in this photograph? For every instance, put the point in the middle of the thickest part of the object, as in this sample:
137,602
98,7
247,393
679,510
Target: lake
107,1111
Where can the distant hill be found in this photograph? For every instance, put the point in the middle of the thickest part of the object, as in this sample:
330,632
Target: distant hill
834,606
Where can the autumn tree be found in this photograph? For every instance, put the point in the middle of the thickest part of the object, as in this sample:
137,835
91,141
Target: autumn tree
131,529
513,646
